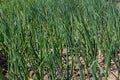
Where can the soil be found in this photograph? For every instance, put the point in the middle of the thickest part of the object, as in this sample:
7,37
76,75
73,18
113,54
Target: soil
3,65
113,72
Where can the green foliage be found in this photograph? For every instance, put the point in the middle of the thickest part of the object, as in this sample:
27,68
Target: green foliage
36,32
